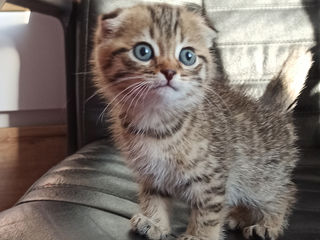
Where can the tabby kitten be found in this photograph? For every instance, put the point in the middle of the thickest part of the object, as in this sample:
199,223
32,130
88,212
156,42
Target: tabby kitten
188,135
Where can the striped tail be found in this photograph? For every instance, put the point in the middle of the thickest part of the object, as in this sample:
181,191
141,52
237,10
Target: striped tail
283,91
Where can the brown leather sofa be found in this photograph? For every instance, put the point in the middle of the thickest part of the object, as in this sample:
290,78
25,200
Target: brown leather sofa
91,194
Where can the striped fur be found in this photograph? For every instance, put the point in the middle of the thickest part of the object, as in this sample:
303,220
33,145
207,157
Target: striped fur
229,157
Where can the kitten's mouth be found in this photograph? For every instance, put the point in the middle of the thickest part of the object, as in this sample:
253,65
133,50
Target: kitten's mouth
168,85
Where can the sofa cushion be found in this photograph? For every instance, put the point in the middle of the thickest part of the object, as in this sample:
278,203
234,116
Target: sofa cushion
92,195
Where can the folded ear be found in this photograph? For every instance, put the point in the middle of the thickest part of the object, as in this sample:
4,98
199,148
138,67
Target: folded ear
194,8
201,11
213,32
109,23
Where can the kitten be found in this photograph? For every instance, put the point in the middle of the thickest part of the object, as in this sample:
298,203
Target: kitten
188,135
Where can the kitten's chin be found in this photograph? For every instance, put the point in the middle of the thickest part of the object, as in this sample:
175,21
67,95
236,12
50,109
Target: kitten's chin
163,94
169,99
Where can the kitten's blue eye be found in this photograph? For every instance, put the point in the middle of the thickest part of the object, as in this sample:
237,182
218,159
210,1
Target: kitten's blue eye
143,52
187,56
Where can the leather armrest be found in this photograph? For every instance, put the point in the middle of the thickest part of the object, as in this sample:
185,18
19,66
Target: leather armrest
60,9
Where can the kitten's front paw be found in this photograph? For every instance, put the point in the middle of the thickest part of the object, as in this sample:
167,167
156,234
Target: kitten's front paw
189,237
146,227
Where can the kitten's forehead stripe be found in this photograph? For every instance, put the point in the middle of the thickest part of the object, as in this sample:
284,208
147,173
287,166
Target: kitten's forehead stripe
176,22
181,36
166,20
167,15
152,13
151,31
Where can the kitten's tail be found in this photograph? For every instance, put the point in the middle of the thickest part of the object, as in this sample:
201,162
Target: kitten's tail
283,91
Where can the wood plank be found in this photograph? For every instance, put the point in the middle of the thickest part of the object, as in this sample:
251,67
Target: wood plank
26,153
9,7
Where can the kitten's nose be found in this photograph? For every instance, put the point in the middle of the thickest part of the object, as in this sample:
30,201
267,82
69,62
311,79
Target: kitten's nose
168,73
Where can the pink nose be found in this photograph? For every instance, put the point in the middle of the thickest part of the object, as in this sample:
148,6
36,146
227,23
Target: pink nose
168,73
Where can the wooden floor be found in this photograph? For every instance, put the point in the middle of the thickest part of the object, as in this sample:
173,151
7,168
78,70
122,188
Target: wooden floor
25,155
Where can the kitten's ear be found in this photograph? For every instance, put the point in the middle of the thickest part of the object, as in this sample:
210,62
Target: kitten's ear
213,32
201,11
109,23
210,36
195,8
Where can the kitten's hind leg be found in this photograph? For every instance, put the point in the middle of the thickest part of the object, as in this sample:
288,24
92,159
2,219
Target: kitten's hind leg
252,221
275,215
269,227
241,216
268,222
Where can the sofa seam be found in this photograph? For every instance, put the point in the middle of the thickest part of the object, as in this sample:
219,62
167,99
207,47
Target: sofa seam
70,202
261,7
66,185
296,41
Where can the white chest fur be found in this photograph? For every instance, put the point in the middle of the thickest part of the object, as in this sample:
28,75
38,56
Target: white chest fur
153,162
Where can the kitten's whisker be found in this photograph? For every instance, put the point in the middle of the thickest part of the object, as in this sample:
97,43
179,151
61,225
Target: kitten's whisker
137,94
124,99
142,129
120,80
140,95
138,77
100,118
127,96
132,85
146,94
146,88
109,104
93,95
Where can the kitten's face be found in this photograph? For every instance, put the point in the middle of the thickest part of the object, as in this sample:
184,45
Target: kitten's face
153,58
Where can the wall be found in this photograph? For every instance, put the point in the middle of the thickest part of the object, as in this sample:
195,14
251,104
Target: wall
32,70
